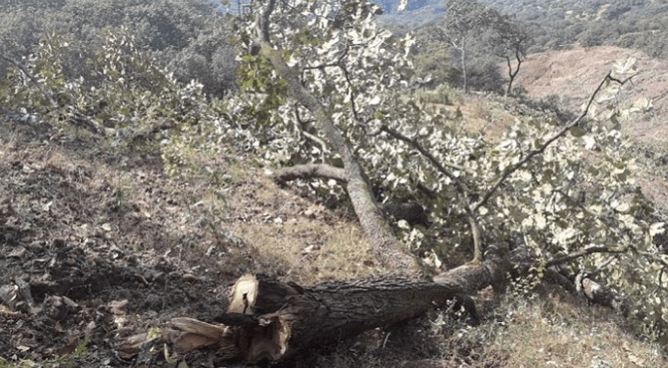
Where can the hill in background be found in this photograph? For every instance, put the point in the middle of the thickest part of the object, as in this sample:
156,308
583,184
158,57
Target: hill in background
635,24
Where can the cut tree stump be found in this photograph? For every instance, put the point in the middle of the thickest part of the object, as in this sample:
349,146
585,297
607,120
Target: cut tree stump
270,320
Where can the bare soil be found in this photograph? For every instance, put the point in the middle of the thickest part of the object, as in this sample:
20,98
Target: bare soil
95,248
574,74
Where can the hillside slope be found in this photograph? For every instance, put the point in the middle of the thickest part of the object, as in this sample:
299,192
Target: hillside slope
102,246
573,74
637,24
99,243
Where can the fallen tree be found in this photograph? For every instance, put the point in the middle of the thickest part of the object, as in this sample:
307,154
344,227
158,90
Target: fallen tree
270,320
517,188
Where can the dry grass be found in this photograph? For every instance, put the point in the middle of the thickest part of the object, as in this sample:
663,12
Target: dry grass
294,237
558,331
486,119
480,115
307,251
555,330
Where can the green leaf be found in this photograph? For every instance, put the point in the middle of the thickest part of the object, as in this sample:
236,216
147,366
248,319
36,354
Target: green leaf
577,132
616,124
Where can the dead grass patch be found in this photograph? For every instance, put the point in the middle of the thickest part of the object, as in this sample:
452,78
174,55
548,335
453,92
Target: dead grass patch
307,251
293,236
558,333
483,118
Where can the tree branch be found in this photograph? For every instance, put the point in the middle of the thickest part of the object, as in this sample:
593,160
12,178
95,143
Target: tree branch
310,171
582,253
462,190
77,118
415,144
32,79
508,171
310,136
651,256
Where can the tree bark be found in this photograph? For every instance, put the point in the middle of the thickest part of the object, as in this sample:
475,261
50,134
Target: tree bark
466,85
270,320
512,74
310,171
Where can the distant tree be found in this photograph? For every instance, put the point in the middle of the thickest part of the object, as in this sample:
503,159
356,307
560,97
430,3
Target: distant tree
590,39
464,21
431,54
509,39
474,28
616,11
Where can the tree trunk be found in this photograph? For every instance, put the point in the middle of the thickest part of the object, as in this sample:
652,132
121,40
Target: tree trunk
512,74
385,244
270,320
466,85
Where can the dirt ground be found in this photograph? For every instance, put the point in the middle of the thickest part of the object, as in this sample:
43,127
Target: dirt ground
95,248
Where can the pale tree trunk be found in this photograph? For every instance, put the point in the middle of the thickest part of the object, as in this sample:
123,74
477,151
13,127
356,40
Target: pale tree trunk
462,60
466,85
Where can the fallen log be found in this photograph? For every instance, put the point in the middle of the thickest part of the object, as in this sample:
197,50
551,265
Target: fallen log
270,320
